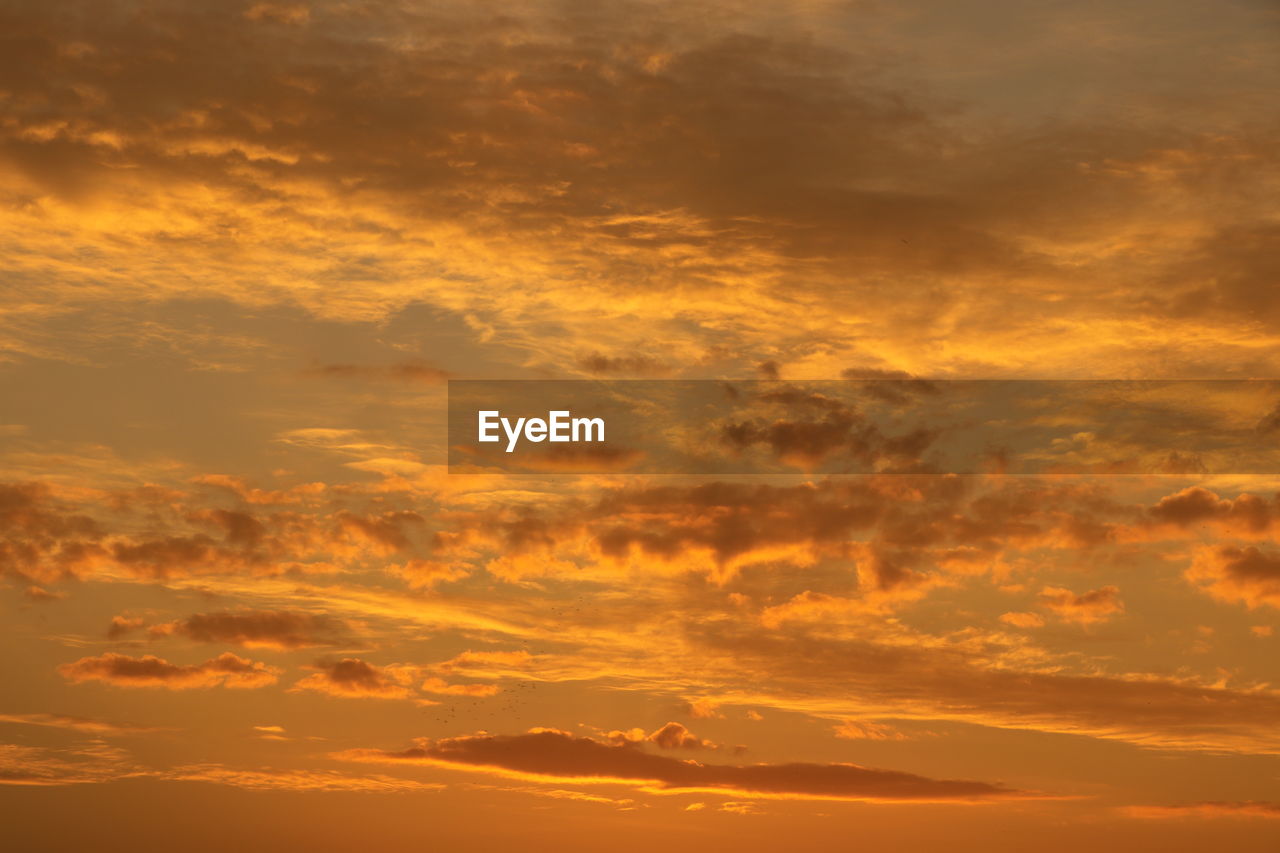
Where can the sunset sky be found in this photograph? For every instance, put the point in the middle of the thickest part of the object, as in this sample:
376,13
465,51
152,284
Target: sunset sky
248,604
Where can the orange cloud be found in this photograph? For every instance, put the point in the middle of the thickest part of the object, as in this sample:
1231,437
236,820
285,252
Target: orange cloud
46,539
1096,605
294,780
227,670
122,626
87,763
442,687
1197,506
471,660
41,595
866,730
352,678
1209,809
1244,575
703,708
79,724
1022,620
670,736
41,539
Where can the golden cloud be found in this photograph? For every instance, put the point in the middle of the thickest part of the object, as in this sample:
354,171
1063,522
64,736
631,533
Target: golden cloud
226,670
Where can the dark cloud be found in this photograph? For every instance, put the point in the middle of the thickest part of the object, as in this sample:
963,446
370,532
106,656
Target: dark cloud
1197,506
354,678
813,428
1245,575
276,629
653,161
47,539
894,530
227,670
266,544
583,458
891,386
549,753
42,539
1270,422
404,372
623,365
1233,271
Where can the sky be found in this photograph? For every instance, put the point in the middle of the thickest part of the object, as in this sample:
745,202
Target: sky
245,247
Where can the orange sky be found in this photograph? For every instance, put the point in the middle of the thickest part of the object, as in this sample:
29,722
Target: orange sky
245,244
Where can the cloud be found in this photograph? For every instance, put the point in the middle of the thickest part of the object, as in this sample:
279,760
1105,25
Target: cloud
904,533
282,13
409,371
623,804
1247,576
921,677
41,539
48,537
79,724
270,779
87,763
97,763
1096,605
805,429
123,626
1226,272
427,574
1022,620
1198,506
808,193
268,629
441,687
484,664
867,730
703,708
546,755
354,679
670,736
1208,809
583,458
41,595
271,733
624,365
227,670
